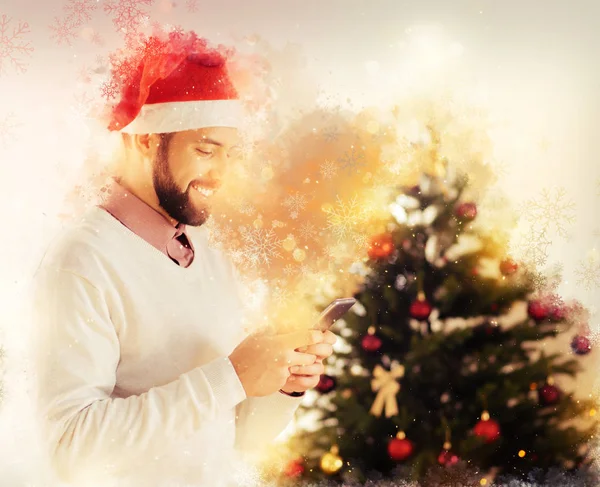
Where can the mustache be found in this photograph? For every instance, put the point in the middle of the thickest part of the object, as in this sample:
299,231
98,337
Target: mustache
206,183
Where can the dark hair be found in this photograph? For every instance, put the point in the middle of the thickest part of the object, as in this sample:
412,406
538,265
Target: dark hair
164,137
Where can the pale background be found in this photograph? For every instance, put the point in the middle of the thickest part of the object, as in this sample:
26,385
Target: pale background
532,64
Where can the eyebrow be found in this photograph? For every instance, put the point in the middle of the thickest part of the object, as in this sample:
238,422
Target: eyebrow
206,140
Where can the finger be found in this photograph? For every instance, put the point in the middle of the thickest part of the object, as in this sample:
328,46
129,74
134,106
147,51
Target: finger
297,358
313,369
329,337
305,382
321,350
303,338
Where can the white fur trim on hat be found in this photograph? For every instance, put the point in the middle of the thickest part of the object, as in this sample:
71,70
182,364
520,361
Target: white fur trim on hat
186,115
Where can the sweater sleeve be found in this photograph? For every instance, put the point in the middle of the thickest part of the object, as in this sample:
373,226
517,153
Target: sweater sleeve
260,420
77,353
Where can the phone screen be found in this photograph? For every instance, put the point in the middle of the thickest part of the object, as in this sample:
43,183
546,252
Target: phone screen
334,312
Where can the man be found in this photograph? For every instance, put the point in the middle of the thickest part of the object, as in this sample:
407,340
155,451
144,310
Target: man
143,372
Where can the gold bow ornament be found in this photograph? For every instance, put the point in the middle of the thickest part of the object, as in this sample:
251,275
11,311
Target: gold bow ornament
386,385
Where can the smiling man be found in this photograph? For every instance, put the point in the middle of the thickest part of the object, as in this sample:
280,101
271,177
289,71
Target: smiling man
144,372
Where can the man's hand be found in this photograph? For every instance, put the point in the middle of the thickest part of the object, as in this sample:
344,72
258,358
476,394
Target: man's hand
263,361
305,377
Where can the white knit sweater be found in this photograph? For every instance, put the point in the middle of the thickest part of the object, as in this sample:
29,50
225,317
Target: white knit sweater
133,379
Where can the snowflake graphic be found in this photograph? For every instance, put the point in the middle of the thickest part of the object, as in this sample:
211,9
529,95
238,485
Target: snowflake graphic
237,256
548,281
157,26
307,271
78,11
537,279
177,29
342,219
97,39
551,210
261,246
246,209
588,273
361,240
295,203
109,90
127,14
533,246
192,6
7,129
281,295
62,31
328,169
134,40
12,45
352,160
85,74
219,234
289,270
331,251
308,231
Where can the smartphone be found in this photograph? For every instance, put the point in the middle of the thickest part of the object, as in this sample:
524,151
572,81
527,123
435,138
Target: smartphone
334,312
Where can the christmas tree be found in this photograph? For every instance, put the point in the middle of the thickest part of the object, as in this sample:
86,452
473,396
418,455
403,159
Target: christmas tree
435,379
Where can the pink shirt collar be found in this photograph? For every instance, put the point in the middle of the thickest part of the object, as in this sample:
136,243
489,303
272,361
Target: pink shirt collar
147,223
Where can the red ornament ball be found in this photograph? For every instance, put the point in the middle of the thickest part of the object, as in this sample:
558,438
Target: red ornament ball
326,384
381,247
400,449
538,310
508,267
581,345
371,343
295,468
466,211
420,309
549,394
447,458
489,329
489,430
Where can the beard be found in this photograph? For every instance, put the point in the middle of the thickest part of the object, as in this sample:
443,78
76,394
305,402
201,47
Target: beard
178,204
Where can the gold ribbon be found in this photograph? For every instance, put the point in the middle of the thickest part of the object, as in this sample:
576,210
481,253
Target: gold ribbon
386,386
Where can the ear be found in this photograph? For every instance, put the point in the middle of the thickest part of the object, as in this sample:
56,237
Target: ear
146,145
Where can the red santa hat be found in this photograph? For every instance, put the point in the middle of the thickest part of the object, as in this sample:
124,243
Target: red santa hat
171,84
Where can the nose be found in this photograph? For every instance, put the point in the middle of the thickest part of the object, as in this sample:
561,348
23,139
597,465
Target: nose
215,176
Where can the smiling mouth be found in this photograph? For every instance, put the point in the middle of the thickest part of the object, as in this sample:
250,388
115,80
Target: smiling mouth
205,190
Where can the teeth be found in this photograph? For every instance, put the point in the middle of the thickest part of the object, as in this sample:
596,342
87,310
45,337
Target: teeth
204,191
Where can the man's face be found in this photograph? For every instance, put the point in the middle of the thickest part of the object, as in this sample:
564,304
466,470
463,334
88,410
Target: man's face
188,169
